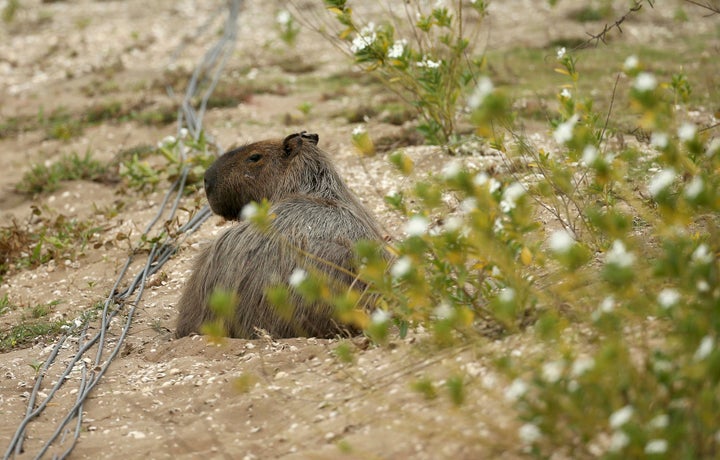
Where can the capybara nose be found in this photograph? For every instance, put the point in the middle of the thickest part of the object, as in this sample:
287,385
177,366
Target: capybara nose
209,181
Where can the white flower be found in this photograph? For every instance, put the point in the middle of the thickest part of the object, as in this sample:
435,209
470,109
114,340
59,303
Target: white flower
529,433
283,17
453,223
619,256
668,297
564,131
468,205
480,179
561,241
589,155
494,185
660,421
506,295
481,91
429,63
167,140
553,370
498,225
705,348
443,311
621,416
366,38
565,93
560,53
631,62
581,365
516,390
297,277
249,211
608,304
701,255
379,316
401,267
618,441
645,81
702,286
452,169
694,188
417,225
397,49
510,196
358,130
686,132
659,140
183,133
713,147
656,446
661,181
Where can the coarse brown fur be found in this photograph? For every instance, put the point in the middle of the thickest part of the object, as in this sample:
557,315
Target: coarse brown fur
317,221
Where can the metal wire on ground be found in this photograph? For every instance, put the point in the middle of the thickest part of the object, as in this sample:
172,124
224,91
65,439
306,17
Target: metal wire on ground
92,370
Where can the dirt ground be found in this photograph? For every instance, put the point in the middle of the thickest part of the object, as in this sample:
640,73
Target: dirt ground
168,398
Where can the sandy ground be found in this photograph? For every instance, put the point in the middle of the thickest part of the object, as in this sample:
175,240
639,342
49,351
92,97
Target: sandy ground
189,398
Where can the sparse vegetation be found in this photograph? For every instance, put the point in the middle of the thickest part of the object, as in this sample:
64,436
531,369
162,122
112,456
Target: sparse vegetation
44,178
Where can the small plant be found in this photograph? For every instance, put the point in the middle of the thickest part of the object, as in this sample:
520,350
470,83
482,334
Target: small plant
288,29
43,178
428,65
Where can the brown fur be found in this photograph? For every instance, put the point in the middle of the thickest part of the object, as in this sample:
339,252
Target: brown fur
315,213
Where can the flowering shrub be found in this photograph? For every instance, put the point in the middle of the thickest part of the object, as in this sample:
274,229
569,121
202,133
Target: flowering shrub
428,64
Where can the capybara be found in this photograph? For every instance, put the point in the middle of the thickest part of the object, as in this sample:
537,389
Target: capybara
316,222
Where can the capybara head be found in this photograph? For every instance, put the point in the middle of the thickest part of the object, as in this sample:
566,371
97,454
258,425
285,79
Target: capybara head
255,171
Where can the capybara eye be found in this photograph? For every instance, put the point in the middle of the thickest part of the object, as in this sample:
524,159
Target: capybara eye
254,158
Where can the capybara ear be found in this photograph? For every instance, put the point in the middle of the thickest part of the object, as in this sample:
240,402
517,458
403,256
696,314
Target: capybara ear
293,143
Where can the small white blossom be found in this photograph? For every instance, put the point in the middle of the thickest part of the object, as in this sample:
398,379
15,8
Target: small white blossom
705,348
660,421
451,170
401,267
565,93
380,316
618,441
631,62
686,132
553,370
397,49
366,38
183,133
444,311
661,181
297,277
480,179
358,130
694,188
564,131
516,390
621,416
561,53
713,147
506,295
498,225
581,365
167,140
659,140
468,205
429,63
453,223
668,298
656,446
645,81
702,286
618,255
481,91
283,17
510,196
608,304
561,241
249,211
529,433
417,225
701,255
589,155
